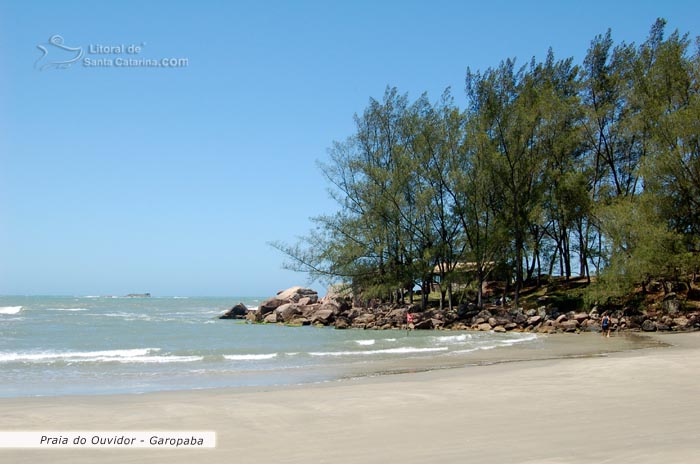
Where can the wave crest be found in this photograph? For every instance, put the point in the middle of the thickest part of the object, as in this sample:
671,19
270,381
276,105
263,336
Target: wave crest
403,350
249,357
10,309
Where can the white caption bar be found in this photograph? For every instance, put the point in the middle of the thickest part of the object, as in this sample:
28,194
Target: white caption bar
108,439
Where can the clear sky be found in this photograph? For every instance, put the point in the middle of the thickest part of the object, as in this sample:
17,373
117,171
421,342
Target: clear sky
172,181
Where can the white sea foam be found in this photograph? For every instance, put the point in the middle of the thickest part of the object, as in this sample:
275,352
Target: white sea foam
453,338
389,339
403,350
67,309
76,355
10,309
526,338
469,350
249,357
498,344
126,316
145,359
365,342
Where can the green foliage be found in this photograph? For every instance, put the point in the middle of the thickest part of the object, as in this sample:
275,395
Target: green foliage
641,245
550,164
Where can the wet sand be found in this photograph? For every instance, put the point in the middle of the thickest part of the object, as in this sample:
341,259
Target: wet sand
573,404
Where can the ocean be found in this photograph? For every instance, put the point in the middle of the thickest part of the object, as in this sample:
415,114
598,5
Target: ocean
58,345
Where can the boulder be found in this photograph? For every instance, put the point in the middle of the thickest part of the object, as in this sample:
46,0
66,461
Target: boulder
671,305
308,311
268,306
323,316
511,326
294,294
305,301
398,315
580,317
237,312
299,321
682,323
484,327
546,329
568,326
499,329
271,318
330,306
592,325
287,312
365,318
649,326
426,324
534,320
562,318
341,323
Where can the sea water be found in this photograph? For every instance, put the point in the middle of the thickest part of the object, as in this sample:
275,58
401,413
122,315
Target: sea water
102,345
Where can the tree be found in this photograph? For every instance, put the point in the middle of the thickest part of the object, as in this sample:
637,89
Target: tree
508,108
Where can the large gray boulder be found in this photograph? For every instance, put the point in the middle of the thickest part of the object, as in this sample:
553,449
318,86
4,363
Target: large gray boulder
237,312
649,326
285,297
287,312
568,326
323,316
294,294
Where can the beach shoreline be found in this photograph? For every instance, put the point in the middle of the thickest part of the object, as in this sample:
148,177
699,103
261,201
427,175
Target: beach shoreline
630,406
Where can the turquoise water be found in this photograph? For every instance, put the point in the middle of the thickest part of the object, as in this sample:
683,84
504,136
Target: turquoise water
101,345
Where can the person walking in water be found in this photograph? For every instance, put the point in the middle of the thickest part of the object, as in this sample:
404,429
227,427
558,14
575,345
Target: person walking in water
605,324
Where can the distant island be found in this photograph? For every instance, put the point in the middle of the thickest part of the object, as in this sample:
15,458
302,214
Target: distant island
138,295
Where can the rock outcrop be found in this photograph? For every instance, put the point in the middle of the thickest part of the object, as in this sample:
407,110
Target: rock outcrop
240,311
302,306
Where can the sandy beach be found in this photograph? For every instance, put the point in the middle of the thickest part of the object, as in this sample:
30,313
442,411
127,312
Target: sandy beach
632,407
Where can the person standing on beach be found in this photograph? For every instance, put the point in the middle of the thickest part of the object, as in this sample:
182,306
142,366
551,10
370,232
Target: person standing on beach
605,324
409,322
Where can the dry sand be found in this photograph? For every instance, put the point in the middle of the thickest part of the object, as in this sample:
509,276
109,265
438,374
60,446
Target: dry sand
634,407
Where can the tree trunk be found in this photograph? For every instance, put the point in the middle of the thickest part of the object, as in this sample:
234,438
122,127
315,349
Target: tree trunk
518,270
480,290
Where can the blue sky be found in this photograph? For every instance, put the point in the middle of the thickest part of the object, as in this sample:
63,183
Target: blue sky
173,181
